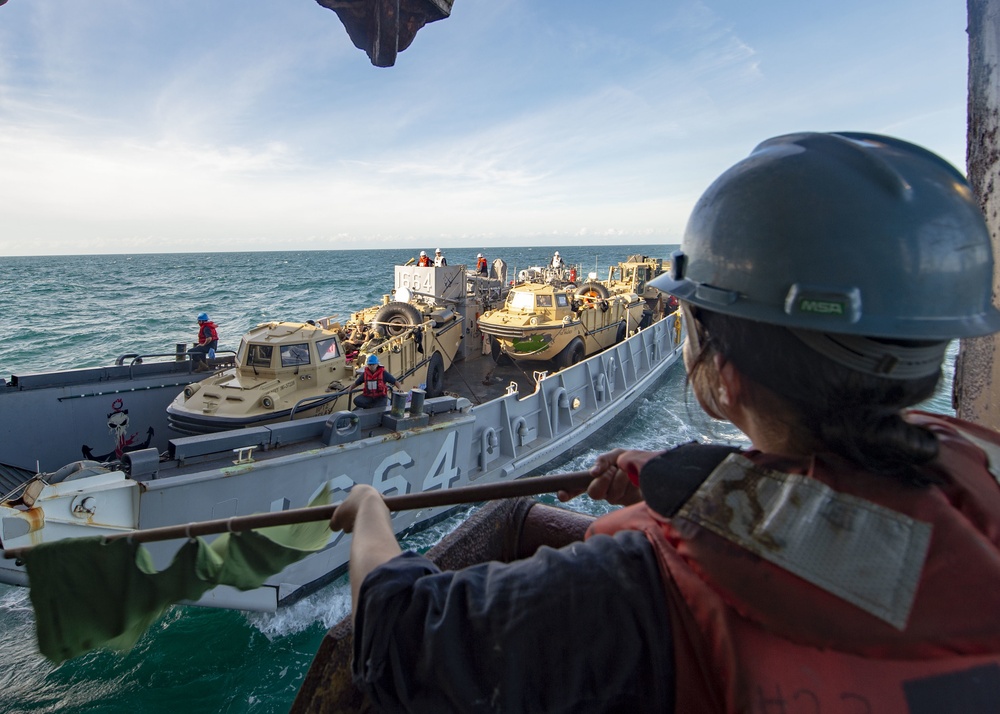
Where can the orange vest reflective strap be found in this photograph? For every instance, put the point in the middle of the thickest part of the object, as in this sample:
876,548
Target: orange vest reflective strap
374,382
805,586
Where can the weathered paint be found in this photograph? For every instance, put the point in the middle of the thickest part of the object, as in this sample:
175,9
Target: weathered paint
976,393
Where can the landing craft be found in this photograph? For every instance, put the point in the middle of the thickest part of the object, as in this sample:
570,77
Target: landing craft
467,436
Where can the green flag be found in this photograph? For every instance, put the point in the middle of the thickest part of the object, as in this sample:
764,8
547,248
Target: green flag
89,594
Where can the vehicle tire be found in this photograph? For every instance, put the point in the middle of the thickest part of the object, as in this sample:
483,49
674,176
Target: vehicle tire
395,318
496,351
592,290
620,335
435,376
574,352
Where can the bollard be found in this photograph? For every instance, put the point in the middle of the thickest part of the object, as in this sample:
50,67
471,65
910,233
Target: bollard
398,405
181,348
417,401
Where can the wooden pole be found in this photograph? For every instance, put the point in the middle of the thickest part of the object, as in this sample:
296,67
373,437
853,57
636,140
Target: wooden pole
573,481
976,390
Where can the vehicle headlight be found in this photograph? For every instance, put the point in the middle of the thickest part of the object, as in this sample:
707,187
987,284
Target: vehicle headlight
533,321
190,390
268,401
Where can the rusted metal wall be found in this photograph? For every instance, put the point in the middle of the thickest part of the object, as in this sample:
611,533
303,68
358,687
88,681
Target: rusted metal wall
976,394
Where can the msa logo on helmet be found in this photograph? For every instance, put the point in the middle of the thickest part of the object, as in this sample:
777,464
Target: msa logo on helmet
823,307
840,303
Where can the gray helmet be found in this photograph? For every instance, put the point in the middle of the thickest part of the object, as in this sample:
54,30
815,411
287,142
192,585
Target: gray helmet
851,234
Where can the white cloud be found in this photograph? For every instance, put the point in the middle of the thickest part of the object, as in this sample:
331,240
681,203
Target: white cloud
251,124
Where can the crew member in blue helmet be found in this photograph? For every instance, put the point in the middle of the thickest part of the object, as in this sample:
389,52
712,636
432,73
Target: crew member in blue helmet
849,560
374,381
208,342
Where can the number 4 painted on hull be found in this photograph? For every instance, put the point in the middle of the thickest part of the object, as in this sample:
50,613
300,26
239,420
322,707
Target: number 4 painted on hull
444,472
441,475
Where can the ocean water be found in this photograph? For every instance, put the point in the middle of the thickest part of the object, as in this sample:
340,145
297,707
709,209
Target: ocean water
63,312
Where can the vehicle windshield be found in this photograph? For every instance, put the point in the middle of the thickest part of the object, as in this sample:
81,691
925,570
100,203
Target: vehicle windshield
543,300
259,355
521,300
562,300
328,349
294,355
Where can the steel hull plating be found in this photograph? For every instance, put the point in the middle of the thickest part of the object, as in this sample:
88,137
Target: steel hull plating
46,419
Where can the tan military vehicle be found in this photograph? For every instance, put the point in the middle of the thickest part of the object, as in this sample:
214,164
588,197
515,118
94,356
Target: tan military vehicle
546,322
551,322
290,370
633,275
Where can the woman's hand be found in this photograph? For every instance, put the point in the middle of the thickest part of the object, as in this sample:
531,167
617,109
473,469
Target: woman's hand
365,514
361,498
611,480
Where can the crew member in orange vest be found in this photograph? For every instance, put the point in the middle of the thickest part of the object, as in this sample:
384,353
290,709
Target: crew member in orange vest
425,261
208,342
481,267
846,559
373,381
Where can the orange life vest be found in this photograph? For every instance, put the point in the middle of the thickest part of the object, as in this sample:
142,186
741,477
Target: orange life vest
481,265
807,586
424,262
374,382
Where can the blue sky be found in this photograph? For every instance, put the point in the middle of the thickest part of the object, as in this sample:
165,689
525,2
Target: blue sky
128,126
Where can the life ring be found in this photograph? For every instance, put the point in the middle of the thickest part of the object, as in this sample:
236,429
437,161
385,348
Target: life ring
394,318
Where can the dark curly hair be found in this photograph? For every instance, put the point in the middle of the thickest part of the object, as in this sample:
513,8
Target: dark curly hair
832,407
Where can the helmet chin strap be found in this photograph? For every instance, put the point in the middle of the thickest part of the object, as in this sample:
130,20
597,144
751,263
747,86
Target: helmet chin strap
881,359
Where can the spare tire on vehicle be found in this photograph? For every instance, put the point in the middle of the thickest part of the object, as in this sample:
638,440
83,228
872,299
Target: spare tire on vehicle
592,290
395,318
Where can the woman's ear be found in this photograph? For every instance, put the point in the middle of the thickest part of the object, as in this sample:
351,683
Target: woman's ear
730,383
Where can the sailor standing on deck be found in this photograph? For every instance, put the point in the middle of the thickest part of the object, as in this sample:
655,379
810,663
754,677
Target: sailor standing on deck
557,261
481,266
375,378
425,261
208,342
848,561
439,259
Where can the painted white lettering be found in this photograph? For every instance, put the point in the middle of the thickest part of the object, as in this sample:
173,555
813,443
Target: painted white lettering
385,483
443,472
